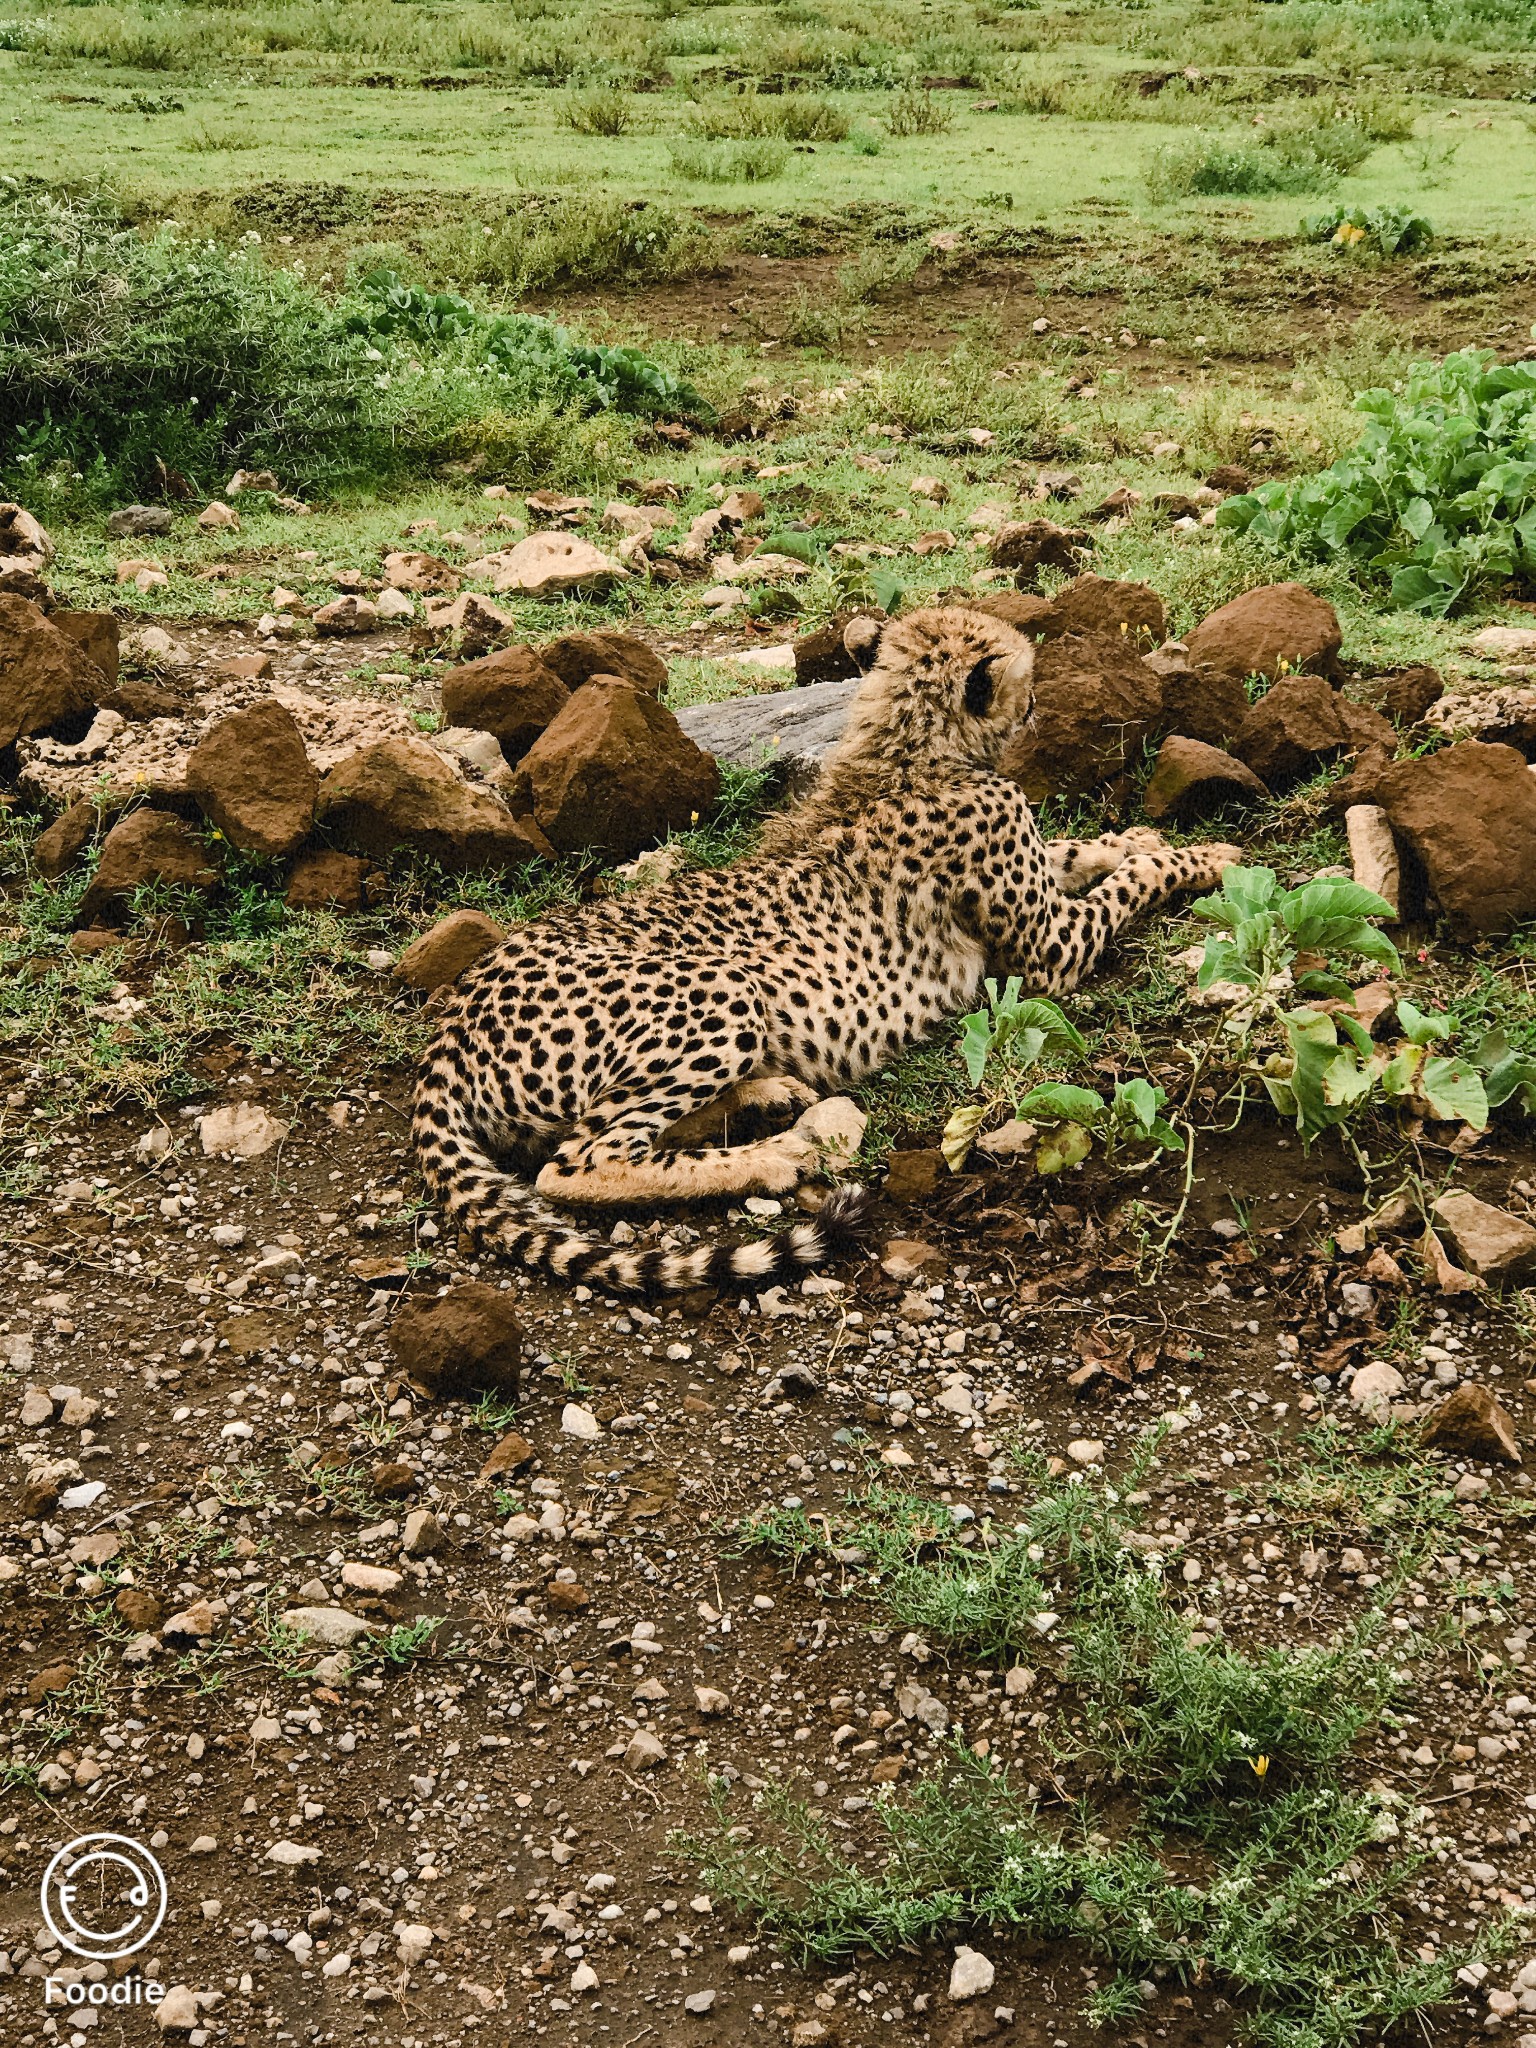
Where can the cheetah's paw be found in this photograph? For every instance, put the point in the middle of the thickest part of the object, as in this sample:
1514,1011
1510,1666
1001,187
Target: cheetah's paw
1213,861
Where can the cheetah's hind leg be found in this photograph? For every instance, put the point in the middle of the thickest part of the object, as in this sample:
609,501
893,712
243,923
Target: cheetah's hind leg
757,1103
612,1160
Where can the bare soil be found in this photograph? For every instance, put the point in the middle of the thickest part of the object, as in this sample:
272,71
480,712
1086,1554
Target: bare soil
482,1789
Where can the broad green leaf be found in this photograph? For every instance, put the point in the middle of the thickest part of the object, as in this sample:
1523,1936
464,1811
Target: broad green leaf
1423,1027
976,1044
1317,983
1454,1092
1058,1099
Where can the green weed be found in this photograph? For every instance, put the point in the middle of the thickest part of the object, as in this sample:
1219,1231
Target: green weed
750,162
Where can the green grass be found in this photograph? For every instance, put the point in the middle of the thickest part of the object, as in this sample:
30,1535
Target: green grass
1211,1831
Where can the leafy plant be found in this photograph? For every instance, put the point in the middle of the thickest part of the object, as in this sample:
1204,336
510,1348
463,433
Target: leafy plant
1024,1030
1333,1070
1015,1032
1264,928
752,161
1132,1114
603,377
915,111
1438,497
1390,230
1508,1076
1219,1759
600,112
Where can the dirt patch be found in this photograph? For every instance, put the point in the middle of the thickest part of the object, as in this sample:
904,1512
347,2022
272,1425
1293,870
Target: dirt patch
479,1774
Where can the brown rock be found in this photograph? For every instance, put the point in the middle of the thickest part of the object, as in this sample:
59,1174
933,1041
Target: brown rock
95,634
513,694
1202,706
139,697
345,616
564,1597
1019,608
442,954
1279,628
1191,780
1030,545
56,850
471,621
1469,815
394,1480
52,1678
24,541
1365,728
467,1341
1470,1423
1404,694
510,1454
146,846
246,668
140,1610
328,881
253,779
95,939
401,792
1098,604
826,655
615,772
1489,1242
1359,786
40,1496
408,569
44,675
192,1625
1096,701
577,657
913,1176
1293,726
1229,477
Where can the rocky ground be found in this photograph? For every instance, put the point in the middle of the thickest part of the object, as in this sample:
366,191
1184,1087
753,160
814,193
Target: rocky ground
408,1627
538,1628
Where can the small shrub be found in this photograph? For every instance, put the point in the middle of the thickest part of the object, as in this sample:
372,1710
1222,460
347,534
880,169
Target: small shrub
792,116
1437,498
915,112
814,322
602,112
879,270
1211,169
749,162
1389,230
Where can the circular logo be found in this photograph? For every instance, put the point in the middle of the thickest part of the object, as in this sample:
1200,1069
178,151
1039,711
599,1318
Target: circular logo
104,1896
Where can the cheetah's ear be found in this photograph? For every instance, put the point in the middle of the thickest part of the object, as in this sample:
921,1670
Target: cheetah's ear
980,686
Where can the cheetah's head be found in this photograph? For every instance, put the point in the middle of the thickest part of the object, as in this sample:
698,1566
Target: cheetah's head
947,685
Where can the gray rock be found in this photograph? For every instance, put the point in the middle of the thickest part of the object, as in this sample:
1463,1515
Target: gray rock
136,521
332,1627
793,730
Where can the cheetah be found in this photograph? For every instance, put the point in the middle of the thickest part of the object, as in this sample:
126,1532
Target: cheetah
601,1035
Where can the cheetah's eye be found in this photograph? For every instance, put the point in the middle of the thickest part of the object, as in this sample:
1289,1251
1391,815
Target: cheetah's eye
979,686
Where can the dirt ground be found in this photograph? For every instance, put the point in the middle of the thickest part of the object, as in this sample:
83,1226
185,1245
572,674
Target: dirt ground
240,1402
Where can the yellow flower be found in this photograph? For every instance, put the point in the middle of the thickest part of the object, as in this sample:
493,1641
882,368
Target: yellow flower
1259,1765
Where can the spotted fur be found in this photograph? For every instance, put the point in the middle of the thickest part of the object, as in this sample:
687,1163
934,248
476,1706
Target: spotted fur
615,1034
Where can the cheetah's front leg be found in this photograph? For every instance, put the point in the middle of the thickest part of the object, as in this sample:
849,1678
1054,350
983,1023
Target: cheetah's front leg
1075,939
1076,864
